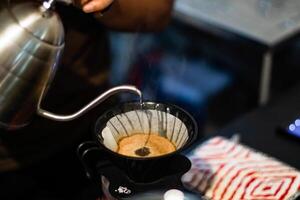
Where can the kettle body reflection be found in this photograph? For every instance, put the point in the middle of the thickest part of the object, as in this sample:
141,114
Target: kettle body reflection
31,44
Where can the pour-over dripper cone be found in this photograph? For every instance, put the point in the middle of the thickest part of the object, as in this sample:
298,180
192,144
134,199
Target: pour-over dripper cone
167,121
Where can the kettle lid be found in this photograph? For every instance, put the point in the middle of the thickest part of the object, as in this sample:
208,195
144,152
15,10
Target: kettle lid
44,25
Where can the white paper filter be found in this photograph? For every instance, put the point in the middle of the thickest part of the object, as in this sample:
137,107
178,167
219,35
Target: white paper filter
144,121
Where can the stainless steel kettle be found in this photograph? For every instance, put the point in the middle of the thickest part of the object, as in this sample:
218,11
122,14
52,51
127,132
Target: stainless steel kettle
31,44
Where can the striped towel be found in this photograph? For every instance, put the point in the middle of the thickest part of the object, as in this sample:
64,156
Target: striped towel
224,170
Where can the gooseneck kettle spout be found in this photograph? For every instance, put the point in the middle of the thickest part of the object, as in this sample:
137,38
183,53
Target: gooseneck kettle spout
32,40
91,105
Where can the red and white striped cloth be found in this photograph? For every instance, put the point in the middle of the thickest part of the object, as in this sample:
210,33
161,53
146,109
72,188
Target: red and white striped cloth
224,170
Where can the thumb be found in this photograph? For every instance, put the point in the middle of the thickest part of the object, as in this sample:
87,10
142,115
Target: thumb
96,5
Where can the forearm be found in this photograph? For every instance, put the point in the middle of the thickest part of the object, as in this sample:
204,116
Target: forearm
137,15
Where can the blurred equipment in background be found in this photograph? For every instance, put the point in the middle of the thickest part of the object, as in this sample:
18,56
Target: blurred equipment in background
265,23
214,59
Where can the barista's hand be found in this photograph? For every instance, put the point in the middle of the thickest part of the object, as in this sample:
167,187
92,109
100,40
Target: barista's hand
90,6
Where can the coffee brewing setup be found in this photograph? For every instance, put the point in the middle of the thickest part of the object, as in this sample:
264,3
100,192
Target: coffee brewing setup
31,45
127,177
